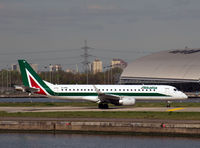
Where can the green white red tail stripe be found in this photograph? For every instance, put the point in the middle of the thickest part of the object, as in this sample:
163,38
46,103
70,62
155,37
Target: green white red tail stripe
33,83
31,79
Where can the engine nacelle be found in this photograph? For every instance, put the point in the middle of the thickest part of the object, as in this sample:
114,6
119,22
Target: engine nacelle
127,101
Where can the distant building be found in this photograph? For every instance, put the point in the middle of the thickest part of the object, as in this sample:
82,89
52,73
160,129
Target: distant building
70,70
118,63
15,67
56,67
96,66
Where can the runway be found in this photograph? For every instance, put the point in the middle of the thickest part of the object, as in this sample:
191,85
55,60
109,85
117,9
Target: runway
82,109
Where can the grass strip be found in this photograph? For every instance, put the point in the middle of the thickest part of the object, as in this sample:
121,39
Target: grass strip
104,114
47,104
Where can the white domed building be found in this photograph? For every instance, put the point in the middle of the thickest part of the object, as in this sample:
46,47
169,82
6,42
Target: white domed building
178,67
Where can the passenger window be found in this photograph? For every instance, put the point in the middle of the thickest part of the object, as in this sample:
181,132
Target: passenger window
115,89
73,89
106,89
127,89
77,89
110,89
65,89
138,89
69,89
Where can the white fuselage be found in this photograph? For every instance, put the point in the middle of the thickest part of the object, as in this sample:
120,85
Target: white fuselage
138,92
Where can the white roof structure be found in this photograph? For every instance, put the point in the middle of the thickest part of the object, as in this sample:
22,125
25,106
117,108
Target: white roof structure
170,65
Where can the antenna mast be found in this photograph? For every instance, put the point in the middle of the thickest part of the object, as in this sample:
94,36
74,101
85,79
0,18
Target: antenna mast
86,56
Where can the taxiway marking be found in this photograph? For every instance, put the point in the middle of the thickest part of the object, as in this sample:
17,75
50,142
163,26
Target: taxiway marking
175,109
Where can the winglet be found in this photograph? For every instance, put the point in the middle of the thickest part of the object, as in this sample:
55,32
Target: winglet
97,90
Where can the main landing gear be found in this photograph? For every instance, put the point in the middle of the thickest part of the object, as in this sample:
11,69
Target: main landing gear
103,106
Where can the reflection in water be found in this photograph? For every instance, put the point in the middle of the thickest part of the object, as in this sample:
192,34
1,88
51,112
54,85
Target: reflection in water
20,140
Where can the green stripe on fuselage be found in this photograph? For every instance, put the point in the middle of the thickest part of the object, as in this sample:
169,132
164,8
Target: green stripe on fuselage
117,94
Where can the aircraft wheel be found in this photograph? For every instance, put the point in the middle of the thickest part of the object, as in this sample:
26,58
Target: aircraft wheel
100,105
103,106
168,104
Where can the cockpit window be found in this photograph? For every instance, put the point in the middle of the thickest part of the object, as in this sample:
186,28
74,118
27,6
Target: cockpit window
175,89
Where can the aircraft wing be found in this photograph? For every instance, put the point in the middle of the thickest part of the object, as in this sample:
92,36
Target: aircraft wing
107,98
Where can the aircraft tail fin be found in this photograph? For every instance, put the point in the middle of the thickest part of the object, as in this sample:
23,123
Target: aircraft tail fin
31,79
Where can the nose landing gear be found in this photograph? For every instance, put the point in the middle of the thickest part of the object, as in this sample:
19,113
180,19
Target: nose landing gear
168,104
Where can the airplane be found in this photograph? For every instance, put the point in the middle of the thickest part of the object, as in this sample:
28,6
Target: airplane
102,94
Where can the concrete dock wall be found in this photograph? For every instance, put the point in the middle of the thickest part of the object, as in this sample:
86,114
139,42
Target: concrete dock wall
89,126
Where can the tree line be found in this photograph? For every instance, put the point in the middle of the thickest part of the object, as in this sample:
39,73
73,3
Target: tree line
111,76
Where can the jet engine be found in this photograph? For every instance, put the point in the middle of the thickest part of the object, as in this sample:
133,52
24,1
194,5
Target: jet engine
127,101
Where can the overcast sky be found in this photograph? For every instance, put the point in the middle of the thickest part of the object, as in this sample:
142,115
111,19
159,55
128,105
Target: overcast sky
53,31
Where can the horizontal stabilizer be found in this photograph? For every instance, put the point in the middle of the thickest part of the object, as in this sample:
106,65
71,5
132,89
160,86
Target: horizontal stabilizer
26,89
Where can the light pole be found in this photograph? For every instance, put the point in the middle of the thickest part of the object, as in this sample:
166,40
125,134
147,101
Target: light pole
50,72
2,80
108,75
10,78
111,75
87,74
7,77
58,73
52,76
45,73
104,75
106,81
